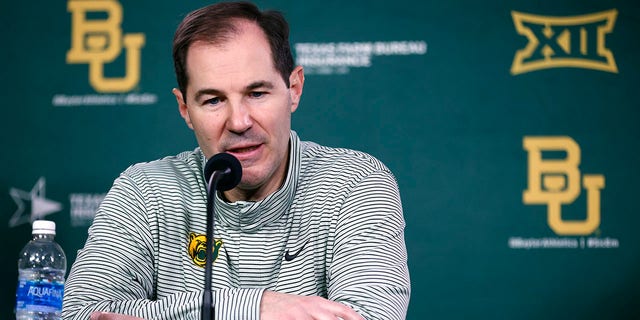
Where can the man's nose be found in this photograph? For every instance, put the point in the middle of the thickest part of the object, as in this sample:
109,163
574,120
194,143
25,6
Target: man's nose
239,119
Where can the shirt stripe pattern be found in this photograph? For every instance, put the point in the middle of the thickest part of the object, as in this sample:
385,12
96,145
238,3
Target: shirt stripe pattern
339,209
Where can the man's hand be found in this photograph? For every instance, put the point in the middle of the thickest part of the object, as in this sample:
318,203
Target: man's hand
275,305
98,315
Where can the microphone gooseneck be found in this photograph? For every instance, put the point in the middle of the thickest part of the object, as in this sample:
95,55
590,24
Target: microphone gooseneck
222,172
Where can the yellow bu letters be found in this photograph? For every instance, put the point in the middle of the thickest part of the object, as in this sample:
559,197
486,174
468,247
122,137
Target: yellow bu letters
100,41
555,182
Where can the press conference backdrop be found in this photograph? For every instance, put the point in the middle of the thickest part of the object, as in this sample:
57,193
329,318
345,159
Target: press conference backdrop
512,128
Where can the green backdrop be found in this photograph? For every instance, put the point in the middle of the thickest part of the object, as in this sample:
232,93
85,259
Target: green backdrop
472,104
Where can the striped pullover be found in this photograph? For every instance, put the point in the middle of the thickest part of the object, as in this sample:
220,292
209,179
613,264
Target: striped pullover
334,229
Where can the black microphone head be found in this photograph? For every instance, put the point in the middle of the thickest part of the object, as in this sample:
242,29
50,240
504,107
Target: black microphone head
229,165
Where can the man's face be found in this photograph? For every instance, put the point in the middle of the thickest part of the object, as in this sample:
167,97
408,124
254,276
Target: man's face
238,103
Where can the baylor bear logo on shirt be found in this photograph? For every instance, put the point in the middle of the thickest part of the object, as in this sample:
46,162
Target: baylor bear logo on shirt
198,249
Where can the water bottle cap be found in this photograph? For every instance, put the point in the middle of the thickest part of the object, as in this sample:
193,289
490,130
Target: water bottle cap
44,227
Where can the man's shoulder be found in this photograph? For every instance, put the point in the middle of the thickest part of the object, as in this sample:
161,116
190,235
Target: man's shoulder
319,156
184,163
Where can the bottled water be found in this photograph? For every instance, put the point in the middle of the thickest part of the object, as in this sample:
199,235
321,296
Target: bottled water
41,267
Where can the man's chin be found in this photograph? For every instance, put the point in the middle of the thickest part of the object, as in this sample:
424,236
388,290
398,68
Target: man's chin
249,183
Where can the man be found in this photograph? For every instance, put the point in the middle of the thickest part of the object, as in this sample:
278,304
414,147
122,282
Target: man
310,232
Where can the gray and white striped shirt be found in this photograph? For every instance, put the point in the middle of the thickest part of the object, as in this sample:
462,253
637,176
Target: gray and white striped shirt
338,215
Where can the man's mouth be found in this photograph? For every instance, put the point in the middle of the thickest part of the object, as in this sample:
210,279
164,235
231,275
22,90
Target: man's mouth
243,149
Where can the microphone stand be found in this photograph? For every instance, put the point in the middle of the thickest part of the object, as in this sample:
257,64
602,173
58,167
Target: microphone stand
208,308
223,171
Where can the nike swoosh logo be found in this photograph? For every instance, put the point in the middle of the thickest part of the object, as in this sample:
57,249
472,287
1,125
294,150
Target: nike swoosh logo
289,257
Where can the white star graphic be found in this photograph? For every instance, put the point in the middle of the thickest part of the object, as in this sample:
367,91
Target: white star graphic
40,205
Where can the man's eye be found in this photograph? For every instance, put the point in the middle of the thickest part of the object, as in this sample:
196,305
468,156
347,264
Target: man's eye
213,101
257,94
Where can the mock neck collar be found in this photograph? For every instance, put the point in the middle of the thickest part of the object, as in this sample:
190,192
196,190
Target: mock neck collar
250,216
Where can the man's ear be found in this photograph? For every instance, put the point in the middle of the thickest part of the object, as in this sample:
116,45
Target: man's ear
182,107
296,84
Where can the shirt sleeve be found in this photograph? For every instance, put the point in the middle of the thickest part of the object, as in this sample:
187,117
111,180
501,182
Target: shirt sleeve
369,269
115,271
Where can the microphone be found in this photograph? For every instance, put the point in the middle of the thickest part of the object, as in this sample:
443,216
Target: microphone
228,166
221,172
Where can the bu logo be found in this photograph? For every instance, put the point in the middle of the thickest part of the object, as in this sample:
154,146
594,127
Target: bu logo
100,41
555,42
555,182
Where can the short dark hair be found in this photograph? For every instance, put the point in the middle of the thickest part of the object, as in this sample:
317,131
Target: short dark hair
215,24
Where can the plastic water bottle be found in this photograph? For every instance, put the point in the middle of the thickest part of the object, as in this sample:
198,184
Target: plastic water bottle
41,266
